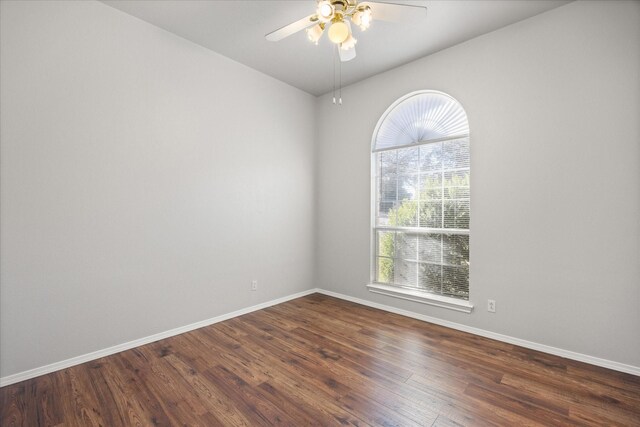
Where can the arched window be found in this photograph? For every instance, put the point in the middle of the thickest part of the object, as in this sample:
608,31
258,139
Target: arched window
421,209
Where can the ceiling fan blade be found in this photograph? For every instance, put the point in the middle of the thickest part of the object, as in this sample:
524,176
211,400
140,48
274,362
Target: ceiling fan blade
393,12
347,55
292,28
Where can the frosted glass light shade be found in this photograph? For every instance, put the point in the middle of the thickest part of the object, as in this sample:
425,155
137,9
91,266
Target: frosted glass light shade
314,33
362,18
338,32
349,43
420,117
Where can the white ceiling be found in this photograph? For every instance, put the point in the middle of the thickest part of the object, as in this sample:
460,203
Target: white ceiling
236,29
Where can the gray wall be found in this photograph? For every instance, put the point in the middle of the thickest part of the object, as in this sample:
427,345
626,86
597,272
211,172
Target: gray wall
145,181
554,107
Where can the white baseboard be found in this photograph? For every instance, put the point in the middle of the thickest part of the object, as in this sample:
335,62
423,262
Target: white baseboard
616,366
36,372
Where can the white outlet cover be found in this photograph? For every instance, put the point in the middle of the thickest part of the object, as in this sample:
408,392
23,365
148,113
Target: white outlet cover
491,306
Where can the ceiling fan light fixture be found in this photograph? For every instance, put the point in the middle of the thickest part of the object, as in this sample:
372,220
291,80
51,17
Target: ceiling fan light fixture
325,10
314,33
339,32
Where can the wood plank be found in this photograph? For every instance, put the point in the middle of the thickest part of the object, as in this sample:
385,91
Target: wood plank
210,395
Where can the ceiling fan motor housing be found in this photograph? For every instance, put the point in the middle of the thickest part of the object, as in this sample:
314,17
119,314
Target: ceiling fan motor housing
345,6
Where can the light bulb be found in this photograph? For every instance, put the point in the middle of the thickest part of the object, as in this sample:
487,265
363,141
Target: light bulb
338,32
366,18
314,33
325,10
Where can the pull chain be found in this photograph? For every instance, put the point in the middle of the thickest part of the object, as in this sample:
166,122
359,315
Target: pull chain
334,75
339,79
336,58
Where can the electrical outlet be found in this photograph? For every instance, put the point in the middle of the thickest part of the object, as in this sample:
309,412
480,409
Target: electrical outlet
254,285
491,306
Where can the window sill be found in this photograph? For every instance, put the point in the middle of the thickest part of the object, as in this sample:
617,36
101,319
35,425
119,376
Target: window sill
421,297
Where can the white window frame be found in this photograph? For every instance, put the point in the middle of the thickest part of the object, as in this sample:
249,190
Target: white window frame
415,295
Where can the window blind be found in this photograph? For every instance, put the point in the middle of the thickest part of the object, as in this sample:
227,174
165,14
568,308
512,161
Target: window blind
420,117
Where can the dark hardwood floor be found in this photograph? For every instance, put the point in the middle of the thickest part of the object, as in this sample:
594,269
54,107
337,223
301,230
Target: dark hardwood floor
322,361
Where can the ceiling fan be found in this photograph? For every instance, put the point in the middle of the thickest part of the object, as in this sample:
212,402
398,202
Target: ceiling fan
337,15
